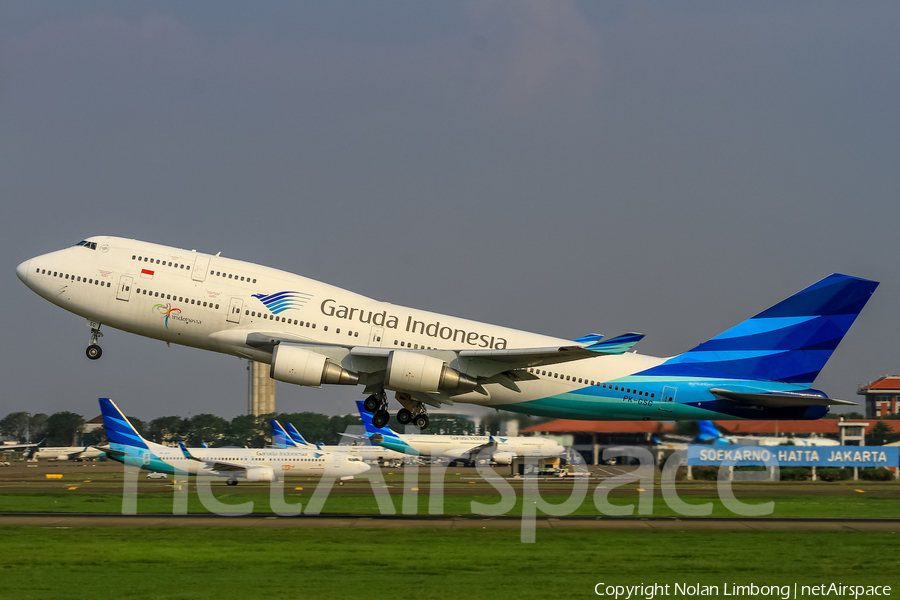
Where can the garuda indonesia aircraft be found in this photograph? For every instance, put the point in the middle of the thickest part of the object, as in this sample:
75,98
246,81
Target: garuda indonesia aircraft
255,465
468,448
312,333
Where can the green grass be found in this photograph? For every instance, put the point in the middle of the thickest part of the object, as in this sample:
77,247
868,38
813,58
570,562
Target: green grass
843,501
226,563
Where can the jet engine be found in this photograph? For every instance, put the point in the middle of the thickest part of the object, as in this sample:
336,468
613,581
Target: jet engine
414,372
293,364
260,475
503,458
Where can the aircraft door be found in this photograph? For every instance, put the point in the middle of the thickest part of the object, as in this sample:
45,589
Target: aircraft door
200,267
375,336
234,310
124,290
667,399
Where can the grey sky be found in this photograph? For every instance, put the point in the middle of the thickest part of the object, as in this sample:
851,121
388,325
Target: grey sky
564,167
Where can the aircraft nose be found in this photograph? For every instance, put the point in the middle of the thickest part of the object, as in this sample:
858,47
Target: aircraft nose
22,270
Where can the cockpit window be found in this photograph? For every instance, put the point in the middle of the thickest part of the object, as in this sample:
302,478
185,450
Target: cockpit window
86,244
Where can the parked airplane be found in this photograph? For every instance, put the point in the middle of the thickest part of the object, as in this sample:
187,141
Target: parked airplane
68,453
27,449
312,333
501,449
128,447
710,434
289,437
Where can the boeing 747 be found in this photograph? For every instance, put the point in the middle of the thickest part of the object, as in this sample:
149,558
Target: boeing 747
312,333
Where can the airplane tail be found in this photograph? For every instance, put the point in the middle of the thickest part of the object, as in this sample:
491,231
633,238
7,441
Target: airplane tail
708,431
118,429
366,417
295,436
280,437
789,343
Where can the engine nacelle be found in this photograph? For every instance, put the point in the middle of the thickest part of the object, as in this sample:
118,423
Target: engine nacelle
503,458
261,475
300,366
416,372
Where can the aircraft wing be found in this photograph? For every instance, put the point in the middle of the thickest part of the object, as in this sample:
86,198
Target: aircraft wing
215,465
778,400
110,451
17,447
478,362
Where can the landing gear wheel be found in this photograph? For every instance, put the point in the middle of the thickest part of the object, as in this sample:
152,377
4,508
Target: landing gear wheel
372,404
94,352
404,416
232,482
380,419
421,421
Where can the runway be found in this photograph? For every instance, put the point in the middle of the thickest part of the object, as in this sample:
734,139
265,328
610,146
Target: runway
74,520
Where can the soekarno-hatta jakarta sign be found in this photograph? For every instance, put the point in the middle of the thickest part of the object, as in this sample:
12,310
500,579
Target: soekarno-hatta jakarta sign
795,456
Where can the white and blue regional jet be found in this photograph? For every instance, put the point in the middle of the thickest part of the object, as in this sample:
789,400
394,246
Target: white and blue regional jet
312,333
249,464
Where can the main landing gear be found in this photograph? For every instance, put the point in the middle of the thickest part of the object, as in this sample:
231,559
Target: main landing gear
378,406
231,481
417,416
94,351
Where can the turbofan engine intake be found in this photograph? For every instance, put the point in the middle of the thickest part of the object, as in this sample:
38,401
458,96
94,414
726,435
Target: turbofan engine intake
415,372
292,364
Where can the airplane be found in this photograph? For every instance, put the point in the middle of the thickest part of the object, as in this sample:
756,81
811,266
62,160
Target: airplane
68,453
27,449
502,450
710,434
254,465
289,437
312,334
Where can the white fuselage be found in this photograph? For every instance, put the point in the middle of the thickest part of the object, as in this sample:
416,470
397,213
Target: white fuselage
288,461
67,453
213,303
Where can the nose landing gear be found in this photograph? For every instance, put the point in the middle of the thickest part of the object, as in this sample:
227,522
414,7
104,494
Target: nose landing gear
94,351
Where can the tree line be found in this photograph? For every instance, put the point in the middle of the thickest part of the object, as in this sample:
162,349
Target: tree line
65,428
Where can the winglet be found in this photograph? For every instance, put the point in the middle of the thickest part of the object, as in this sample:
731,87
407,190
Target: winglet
617,345
185,451
591,338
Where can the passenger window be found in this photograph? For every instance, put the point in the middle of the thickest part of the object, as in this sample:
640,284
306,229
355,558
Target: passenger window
338,330
265,316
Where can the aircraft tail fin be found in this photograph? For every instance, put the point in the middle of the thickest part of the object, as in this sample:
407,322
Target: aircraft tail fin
708,431
280,437
789,342
366,417
295,436
119,429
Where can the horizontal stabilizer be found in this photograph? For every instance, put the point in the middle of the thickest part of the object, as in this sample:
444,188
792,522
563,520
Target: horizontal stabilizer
778,400
617,345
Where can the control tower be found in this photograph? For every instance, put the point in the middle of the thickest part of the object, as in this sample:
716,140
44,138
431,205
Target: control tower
260,389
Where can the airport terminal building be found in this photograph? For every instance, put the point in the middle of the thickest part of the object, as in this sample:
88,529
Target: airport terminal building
881,397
